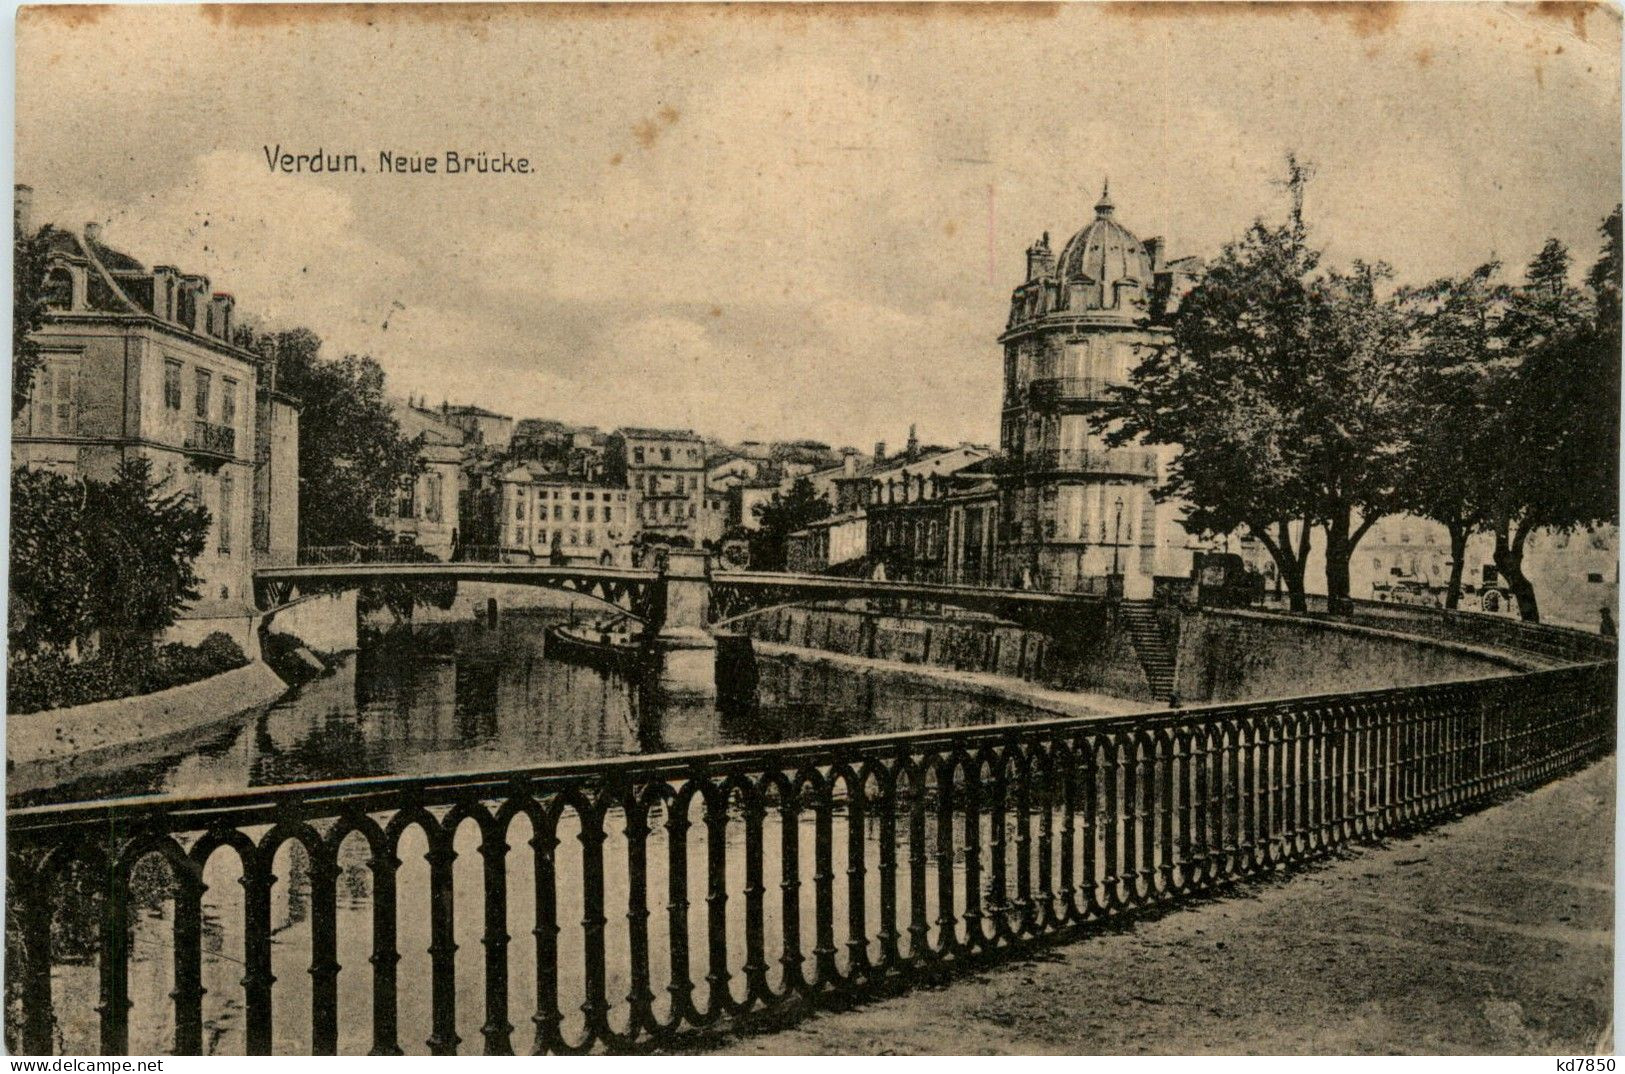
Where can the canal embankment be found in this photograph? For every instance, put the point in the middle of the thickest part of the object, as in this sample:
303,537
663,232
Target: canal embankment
56,746
1217,655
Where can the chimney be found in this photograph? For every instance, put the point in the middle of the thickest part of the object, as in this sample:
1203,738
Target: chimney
165,279
849,464
1153,250
93,232
224,304
197,287
1040,261
22,209
913,448
880,452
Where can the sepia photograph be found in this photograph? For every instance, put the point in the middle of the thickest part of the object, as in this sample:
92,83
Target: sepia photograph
813,529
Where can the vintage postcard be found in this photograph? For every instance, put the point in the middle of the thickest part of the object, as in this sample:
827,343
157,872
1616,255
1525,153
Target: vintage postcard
839,529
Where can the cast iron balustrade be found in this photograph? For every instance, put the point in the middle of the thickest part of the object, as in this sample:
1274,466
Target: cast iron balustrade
210,438
1553,643
1048,391
1127,462
953,847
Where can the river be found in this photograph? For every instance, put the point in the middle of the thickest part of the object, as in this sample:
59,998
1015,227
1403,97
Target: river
444,698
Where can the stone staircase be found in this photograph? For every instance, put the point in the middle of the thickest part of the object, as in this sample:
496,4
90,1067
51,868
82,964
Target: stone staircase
1157,655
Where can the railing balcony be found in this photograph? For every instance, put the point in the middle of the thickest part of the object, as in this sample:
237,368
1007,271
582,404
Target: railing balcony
209,438
1126,462
1049,391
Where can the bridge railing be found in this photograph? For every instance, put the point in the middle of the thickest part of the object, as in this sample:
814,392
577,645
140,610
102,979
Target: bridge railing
327,555
1562,644
717,884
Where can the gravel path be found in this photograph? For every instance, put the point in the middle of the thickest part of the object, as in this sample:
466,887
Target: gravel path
1490,934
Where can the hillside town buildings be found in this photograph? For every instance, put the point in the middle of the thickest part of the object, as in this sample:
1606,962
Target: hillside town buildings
564,518
425,511
664,469
481,427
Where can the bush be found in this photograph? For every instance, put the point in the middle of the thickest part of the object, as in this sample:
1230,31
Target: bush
278,650
51,681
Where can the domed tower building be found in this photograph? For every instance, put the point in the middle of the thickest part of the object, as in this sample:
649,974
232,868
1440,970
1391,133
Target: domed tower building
1074,513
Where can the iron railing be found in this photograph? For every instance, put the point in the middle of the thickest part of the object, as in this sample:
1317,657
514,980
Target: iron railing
1553,643
1047,391
211,438
830,869
1130,462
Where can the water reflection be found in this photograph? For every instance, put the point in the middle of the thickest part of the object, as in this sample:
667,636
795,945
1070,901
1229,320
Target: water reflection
460,697
456,698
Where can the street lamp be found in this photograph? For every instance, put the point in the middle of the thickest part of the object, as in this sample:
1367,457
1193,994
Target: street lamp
1117,535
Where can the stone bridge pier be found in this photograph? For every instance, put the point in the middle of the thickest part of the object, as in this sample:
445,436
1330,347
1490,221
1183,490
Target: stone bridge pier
686,648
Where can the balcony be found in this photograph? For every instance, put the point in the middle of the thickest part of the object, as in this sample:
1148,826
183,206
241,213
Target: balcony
212,440
1120,462
1049,391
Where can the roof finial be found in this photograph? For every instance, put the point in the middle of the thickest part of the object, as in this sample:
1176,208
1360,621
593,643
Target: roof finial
1104,206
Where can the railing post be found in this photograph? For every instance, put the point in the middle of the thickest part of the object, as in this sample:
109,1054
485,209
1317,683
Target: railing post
385,957
497,1030
443,1038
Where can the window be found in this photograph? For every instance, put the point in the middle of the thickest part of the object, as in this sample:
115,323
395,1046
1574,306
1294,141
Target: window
575,495
637,456
558,512
575,537
519,509
589,537
435,485
607,517
665,454
589,495
575,512
590,512
54,401
1594,578
228,402
202,394
224,527
519,536
406,499
541,536
172,385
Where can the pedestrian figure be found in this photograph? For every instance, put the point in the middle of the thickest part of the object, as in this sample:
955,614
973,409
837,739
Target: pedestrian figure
1607,628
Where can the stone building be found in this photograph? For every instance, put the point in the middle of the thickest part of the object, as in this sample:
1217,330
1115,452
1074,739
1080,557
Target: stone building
426,510
139,363
664,470
547,513
1073,511
480,427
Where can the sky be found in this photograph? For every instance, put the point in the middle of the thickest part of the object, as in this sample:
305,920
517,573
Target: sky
786,223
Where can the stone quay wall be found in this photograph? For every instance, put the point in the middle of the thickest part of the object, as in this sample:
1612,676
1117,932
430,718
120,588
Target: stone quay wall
1222,655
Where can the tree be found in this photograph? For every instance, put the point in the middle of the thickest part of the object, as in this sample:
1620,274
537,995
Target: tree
142,540
352,454
1554,396
30,254
50,570
92,557
1281,386
781,516
1456,349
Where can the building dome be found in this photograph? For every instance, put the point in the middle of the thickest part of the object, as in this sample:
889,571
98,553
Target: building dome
1104,267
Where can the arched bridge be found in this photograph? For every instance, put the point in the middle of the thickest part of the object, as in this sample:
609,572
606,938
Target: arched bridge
687,588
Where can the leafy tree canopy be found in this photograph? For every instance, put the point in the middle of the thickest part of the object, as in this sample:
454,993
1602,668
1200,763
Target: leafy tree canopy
781,516
352,453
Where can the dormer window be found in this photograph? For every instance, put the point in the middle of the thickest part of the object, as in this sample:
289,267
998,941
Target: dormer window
58,290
